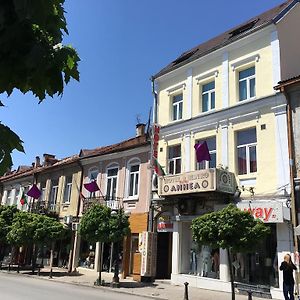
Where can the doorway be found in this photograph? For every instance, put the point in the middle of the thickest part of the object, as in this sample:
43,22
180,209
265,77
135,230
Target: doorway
164,255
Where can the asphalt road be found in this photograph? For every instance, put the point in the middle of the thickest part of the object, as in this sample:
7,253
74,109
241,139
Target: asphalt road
14,287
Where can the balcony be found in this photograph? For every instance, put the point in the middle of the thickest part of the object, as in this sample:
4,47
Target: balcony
114,203
208,180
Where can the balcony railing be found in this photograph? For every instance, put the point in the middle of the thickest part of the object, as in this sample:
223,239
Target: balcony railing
114,203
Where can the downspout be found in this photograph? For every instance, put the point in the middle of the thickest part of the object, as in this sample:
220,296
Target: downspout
154,120
292,175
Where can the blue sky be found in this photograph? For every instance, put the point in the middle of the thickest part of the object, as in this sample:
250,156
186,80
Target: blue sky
121,43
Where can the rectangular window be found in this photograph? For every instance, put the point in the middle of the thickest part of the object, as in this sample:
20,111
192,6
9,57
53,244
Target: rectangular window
177,105
17,196
9,197
174,159
133,180
68,189
112,177
208,96
53,195
247,84
246,151
211,144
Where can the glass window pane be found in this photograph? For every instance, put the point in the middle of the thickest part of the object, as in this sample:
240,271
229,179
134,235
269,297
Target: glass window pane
131,185
135,168
205,102
114,188
246,136
252,87
112,172
177,98
213,100
247,73
242,163
243,90
178,166
209,86
171,167
175,117
108,192
253,163
136,184
212,162
174,151
180,111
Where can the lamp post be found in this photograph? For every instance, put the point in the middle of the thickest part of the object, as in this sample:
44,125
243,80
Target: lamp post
116,281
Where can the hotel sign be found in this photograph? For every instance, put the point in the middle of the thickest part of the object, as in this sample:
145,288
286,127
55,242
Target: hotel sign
197,182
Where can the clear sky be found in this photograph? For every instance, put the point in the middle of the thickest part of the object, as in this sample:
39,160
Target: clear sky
121,43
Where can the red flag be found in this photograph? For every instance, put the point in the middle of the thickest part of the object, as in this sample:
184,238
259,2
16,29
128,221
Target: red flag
34,192
92,186
23,199
202,152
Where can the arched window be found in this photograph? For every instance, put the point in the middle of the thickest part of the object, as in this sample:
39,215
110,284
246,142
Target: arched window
133,167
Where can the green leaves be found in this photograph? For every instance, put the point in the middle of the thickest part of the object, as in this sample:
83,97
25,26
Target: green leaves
99,224
229,228
6,217
9,141
27,228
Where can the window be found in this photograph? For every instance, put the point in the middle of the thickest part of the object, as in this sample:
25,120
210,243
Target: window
133,185
246,151
53,195
93,174
174,159
211,144
247,84
68,189
208,96
17,195
177,103
9,197
111,185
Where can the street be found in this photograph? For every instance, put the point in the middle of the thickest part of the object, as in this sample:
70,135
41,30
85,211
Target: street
14,287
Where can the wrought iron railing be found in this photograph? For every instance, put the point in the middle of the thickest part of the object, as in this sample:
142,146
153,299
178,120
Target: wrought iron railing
114,203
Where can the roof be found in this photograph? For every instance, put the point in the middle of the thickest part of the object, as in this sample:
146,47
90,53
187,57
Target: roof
228,37
28,171
287,82
122,146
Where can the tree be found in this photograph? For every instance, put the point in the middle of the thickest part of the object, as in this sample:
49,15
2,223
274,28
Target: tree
219,230
7,213
32,57
34,229
100,224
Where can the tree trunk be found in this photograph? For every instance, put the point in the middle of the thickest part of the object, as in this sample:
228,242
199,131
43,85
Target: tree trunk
33,260
51,259
231,275
100,263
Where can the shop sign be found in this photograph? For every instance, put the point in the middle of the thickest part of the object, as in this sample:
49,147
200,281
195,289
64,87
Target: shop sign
225,181
155,139
267,211
147,247
164,224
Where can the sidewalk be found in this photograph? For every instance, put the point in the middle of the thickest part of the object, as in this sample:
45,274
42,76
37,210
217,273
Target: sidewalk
160,289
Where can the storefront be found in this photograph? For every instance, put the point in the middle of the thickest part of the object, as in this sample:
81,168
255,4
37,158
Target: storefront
196,193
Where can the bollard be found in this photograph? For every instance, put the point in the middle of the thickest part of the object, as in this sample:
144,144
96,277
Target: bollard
186,293
8,267
39,271
50,274
249,295
18,268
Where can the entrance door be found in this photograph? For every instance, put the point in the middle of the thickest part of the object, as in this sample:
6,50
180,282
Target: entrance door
164,255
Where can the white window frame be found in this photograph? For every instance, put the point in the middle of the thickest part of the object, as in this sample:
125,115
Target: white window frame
211,152
113,177
131,163
247,79
209,93
174,160
53,196
247,146
91,175
68,189
9,196
178,105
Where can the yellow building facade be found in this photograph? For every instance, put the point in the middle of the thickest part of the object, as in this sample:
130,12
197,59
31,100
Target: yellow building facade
222,92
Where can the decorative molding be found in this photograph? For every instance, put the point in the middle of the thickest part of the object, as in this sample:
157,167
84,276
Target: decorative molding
275,46
189,93
206,75
176,88
253,58
246,117
279,109
225,80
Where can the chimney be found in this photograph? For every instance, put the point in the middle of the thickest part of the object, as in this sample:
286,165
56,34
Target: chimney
49,159
37,162
140,129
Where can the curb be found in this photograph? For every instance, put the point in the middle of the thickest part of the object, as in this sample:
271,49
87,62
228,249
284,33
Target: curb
108,289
